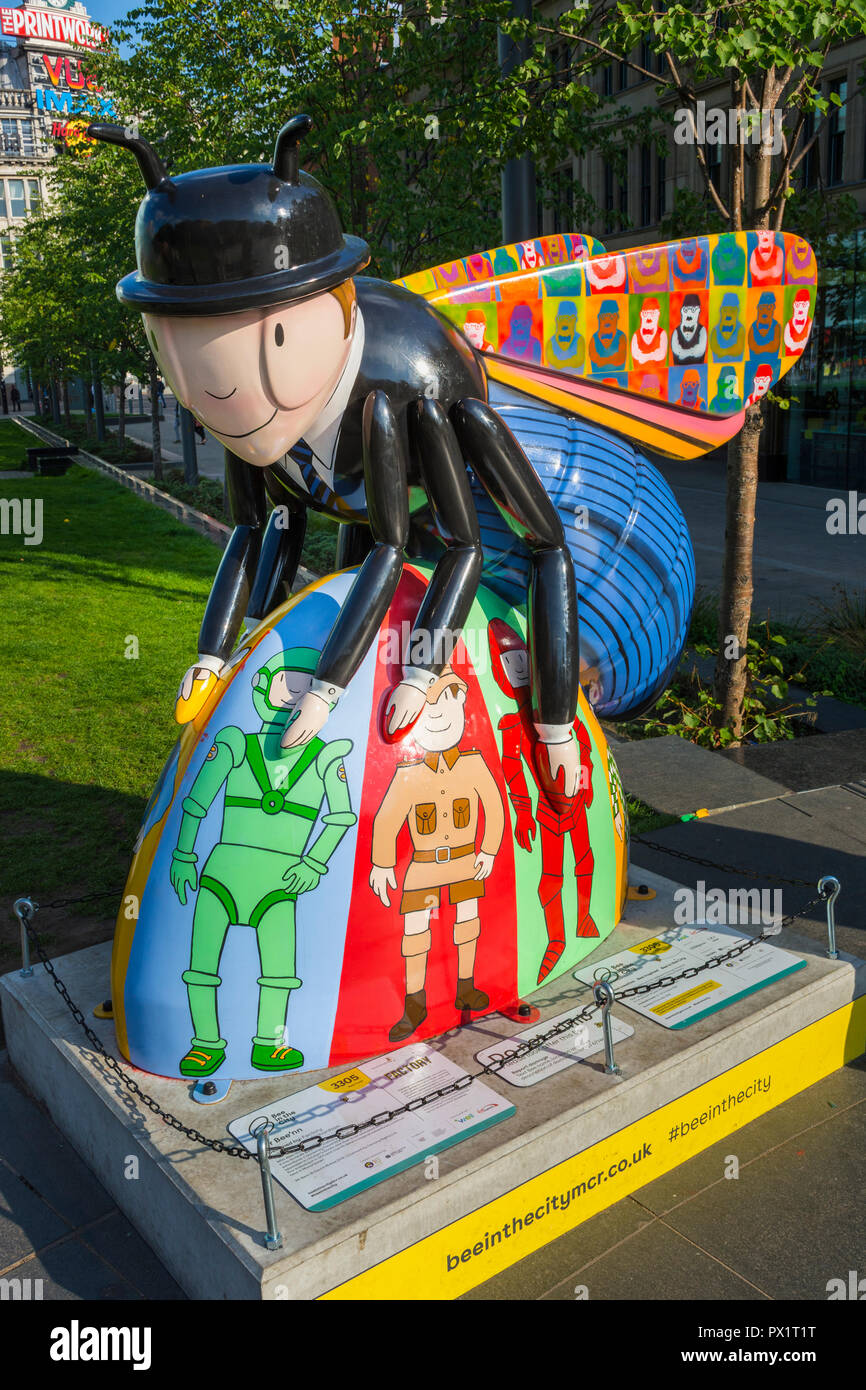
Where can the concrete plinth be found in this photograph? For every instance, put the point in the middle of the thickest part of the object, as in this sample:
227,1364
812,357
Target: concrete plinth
578,1142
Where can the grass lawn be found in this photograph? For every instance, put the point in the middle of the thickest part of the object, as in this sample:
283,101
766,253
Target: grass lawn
86,728
14,441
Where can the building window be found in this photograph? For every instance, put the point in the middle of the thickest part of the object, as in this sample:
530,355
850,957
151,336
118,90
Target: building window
3,212
17,201
560,60
5,251
607,80
608,196
647,57
34,196
661,186
563,210
10,136
623,75
714,165
836,133
646,185
810,165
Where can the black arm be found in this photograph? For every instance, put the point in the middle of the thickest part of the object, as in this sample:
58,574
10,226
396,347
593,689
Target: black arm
230,591
376,583
454,582
514,487
281,553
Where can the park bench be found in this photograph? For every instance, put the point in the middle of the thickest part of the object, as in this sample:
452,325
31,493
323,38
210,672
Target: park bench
52,460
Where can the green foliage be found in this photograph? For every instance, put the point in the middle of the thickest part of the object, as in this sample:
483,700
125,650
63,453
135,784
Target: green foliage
14,443
84,736
111,449
689,707
207,495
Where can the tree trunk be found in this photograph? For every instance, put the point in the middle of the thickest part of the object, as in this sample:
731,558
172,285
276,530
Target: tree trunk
121,411
735,607
88,407
55,402
154,422
67,416
98,403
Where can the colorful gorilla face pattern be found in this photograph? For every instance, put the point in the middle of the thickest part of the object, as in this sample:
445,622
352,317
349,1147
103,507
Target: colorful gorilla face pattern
659,322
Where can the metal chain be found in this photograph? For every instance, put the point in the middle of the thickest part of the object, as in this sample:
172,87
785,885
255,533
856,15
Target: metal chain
724,868
235,1150
84,898
499,1060
491,1068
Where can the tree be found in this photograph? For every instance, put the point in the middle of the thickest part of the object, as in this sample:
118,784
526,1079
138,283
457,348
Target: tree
772,60
412,116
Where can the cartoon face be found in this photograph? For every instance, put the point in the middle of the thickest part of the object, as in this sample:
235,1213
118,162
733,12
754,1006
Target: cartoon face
650,385
649,322
728,315
441,724
555,254
565,325
474,330
607,324
256,379
766,242
287,688
689,316
529,257
800,313
515,664
764,312
690,389
521,323
761,383
727,387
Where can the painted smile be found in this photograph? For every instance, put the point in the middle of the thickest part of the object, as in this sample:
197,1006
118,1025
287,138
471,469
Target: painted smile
245,434
215,397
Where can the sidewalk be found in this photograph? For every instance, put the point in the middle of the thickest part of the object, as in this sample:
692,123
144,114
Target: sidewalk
57,1223
791,522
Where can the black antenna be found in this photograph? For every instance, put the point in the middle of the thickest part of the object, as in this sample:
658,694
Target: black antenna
149,162
286,149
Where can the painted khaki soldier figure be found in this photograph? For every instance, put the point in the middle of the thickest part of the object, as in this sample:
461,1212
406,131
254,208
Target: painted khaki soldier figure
439,796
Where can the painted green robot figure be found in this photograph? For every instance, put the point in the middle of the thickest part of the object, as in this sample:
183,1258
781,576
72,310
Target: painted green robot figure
263,860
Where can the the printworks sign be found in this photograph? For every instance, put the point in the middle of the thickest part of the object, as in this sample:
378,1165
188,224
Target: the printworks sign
53,24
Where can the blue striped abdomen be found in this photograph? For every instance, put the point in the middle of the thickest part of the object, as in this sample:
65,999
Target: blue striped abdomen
632,552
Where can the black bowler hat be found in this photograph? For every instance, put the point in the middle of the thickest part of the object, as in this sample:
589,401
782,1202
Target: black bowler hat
243,236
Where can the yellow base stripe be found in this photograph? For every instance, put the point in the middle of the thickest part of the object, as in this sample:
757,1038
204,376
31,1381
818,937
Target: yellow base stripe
435,1268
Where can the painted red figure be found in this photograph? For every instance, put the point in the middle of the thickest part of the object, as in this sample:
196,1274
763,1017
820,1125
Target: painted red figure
556,815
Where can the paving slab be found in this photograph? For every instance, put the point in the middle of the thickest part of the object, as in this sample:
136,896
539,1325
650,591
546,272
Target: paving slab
202,1212
819,1104
677,777
26,1221
803,764
656,1264
72,1272
30,1144
536,1275
788,1203
804,836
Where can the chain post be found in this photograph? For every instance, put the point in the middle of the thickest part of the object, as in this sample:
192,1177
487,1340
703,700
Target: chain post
273,1239
829,887
605,996
24,909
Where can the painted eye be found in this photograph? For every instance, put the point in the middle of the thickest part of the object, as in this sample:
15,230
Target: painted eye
279,336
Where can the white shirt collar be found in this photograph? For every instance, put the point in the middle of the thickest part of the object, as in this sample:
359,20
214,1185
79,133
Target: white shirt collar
322,435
